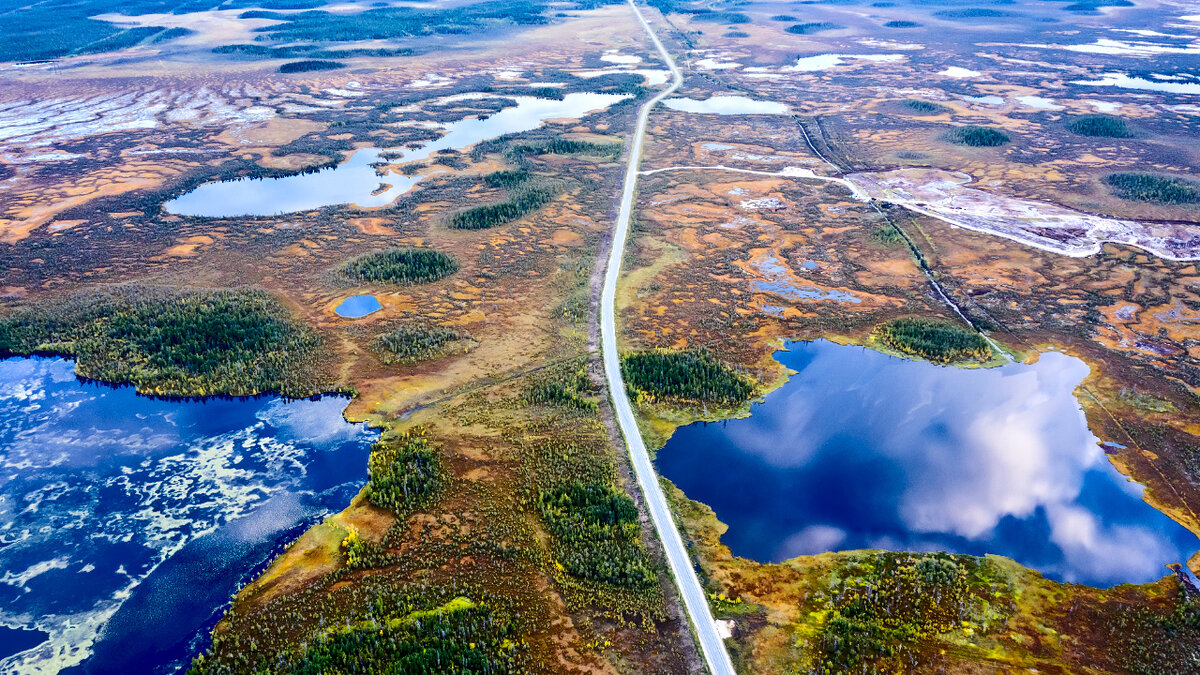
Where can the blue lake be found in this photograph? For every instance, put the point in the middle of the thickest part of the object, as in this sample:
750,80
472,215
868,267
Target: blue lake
361,180
127,522
356,306
863,450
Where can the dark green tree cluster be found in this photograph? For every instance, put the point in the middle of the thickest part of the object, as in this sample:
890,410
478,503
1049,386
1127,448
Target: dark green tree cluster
309,65
404,473
924,107
459,638
529,198
560,387
934,339
129,37
311,51
973,13
1093,6
392,629
885,605
598,534
506,179
812,27
173,342
1149,187
721,17
171,34
1102,126
410,344
401,266
977,137
566,146
1157,640
397,22
689,376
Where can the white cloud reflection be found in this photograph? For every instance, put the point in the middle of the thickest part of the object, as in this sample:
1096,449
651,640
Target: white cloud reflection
965,452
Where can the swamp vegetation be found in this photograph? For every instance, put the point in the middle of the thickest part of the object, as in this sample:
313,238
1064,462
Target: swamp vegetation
400,266
173,342
936,340
693,376
1150,187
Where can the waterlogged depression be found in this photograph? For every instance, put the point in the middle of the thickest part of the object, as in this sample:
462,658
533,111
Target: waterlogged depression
127,522
863,450
361,180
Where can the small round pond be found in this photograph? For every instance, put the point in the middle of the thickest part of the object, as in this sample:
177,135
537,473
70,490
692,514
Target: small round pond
863,450
357,306
127,522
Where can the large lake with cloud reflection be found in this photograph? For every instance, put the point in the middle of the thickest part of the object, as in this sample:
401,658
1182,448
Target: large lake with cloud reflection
864,450
127,522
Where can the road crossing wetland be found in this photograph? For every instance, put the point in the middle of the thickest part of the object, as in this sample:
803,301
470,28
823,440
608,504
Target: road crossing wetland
653,336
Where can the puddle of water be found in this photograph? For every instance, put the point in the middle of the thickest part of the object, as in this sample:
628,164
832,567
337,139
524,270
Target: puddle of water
16,640
864,450
1039,103
355,181
957,71
357,306
613,57
129,521
779,282
827,61
1123,81
528,114
787,290
988,100
652,77
727,105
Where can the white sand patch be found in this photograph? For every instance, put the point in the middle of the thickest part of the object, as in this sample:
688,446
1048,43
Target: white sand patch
46,121
616,57
876,43
713,64
806,64
1049,227
957,71
1111,47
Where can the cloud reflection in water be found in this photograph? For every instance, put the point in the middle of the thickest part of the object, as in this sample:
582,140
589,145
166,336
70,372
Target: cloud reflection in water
864,450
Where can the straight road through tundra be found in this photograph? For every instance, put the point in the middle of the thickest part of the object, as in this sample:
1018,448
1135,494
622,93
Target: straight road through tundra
711,643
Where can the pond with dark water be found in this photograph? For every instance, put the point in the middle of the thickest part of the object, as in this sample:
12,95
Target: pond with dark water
127,522
861,450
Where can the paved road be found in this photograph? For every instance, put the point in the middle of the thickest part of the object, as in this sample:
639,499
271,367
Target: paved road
711,644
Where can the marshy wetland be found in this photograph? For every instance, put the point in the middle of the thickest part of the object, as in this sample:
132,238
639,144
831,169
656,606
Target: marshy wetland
974,228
